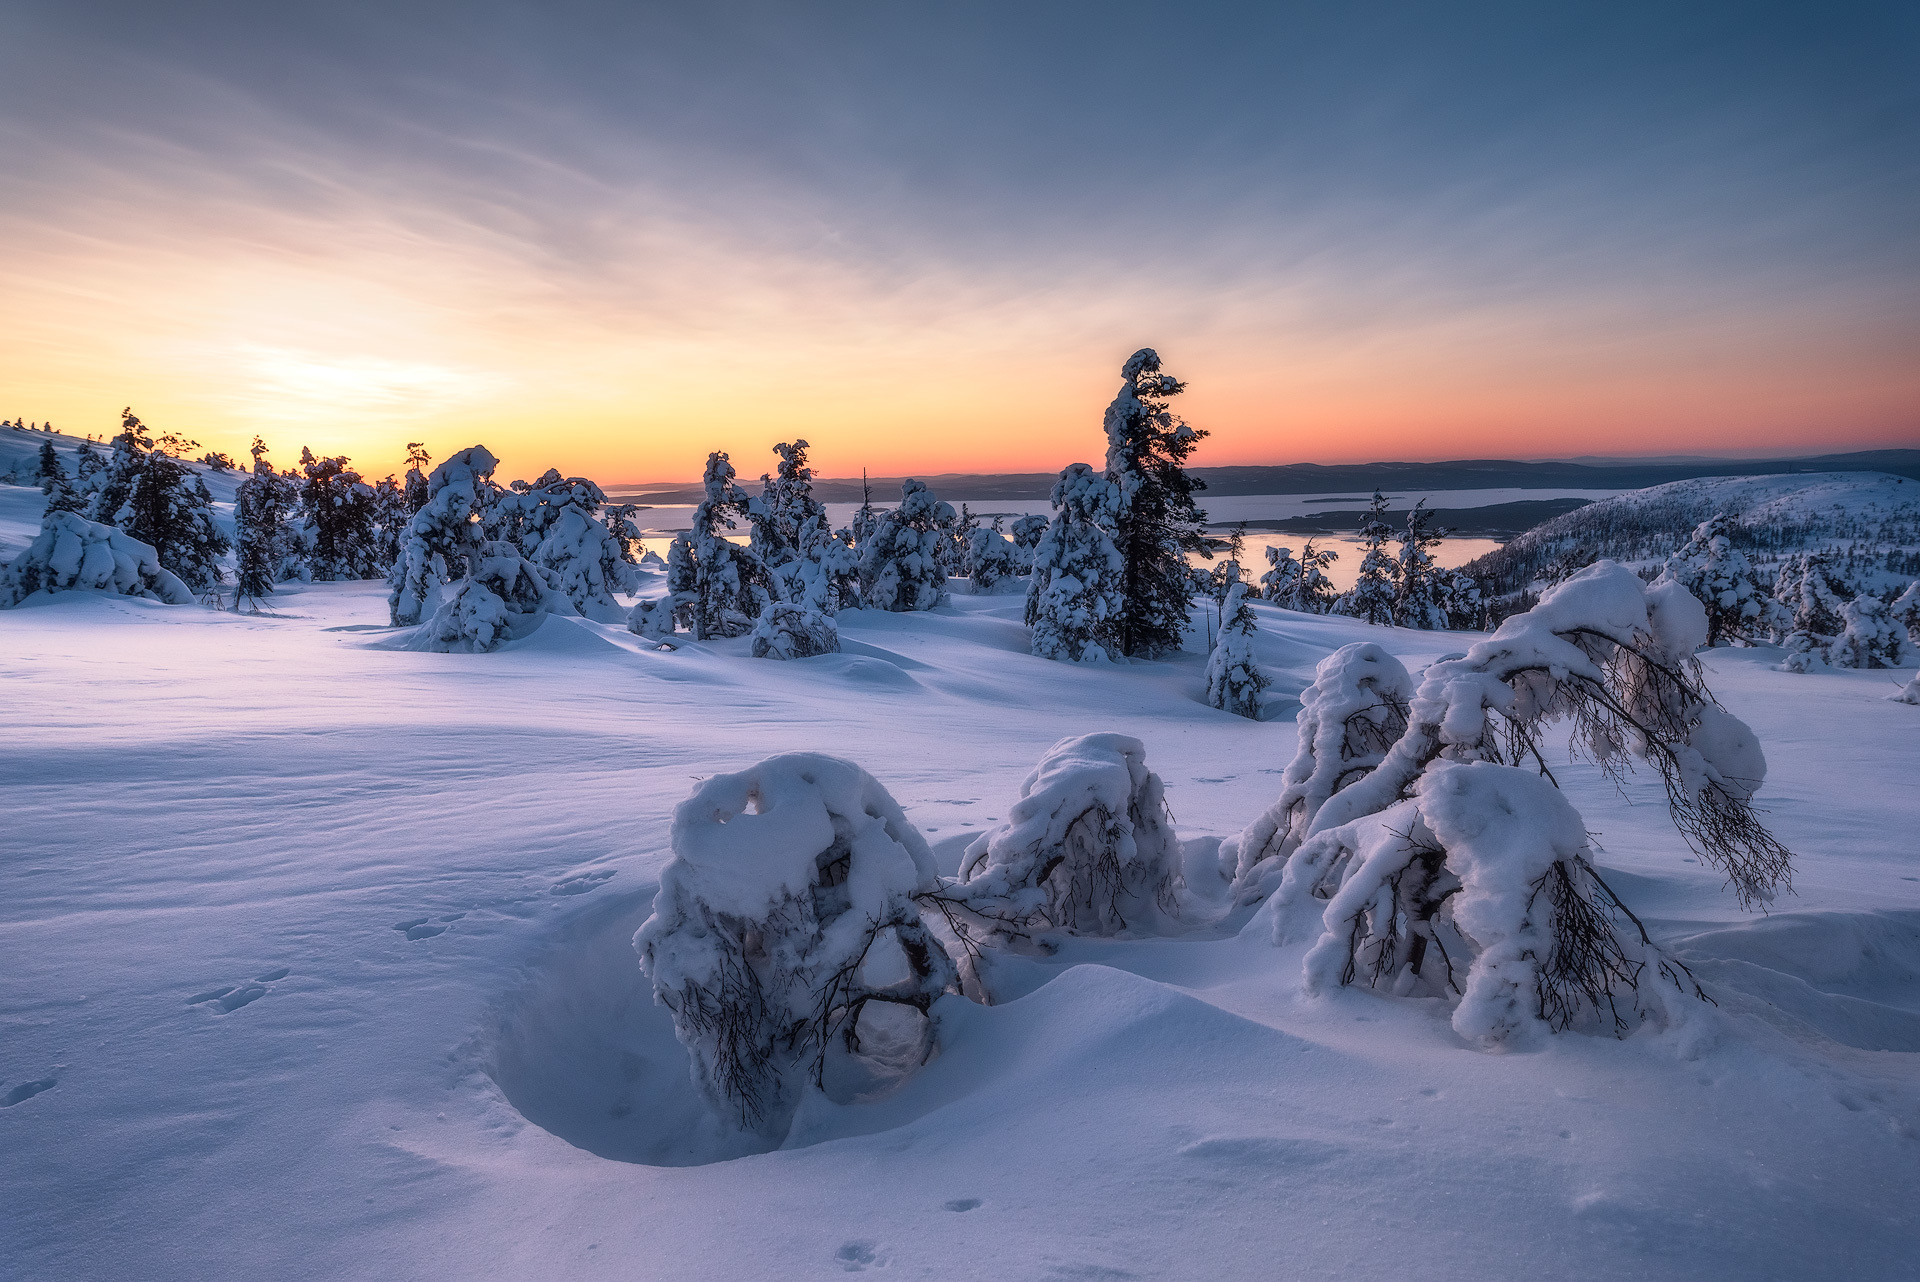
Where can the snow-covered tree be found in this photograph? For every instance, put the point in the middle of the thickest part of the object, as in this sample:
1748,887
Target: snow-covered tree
1089,849
264,540
477,592
653,619
1026,532
1718,574
73,554
1155,521
867,518
155,499
61,496
1277,584
49,466
992,561
418,460
1234,679
1462,599
89,469
561,531
1905,611
789,631
729,586
1869,637
1312,592
1355,710
445,535
807,565
786,942
1813,597
337,527
1373,593
1419,592
1074,596
900,563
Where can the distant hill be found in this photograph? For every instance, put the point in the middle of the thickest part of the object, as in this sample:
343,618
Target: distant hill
1871,518
1359,478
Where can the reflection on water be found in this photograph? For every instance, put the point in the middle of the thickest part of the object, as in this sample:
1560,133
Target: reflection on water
658,521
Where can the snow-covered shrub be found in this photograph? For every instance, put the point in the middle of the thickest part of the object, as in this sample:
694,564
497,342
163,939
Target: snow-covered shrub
585,559
1355,710
73,554
1234,679
1074,596
1908,693
503,597
1088,849
1720,577
900,563
1478,886
1905,611
1615,657
787,631
1811,595
1372,595
1869,638
652,619
992,561
785,939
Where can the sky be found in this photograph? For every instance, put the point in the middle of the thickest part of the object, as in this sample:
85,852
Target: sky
612,237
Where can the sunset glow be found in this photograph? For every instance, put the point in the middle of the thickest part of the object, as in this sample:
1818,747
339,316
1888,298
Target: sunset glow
614,250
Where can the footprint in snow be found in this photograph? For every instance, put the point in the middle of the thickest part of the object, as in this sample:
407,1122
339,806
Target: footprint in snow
26,1091
857,1256
964,1204
581,884
426,927
229,998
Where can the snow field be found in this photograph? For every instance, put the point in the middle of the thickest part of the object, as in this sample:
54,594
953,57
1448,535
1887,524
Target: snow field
326,949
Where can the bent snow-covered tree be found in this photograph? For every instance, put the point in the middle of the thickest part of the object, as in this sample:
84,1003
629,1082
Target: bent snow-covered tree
1234,679
1463,793
1614,657
73,554
1478,887
1355,710
1089,849
1074,599
583,557
786,942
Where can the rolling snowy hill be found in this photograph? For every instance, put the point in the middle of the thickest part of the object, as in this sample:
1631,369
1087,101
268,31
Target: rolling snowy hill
318,965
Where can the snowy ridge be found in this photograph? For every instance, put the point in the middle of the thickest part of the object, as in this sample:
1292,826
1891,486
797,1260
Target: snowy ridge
1779,515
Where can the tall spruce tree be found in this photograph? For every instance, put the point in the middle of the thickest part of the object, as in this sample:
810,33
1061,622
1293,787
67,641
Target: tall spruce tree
338,521
1418,602
1156,523
1373,593
154,498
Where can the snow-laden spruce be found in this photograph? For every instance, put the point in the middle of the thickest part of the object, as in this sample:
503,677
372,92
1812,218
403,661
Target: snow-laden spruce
787,631
73,554
1281,574
1074,597
1025,533
1355,710
159,502
1154,521
1718,574
1234,679
444,535
901,566
1478,887
1421,591
725,585
1088,849
786,942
